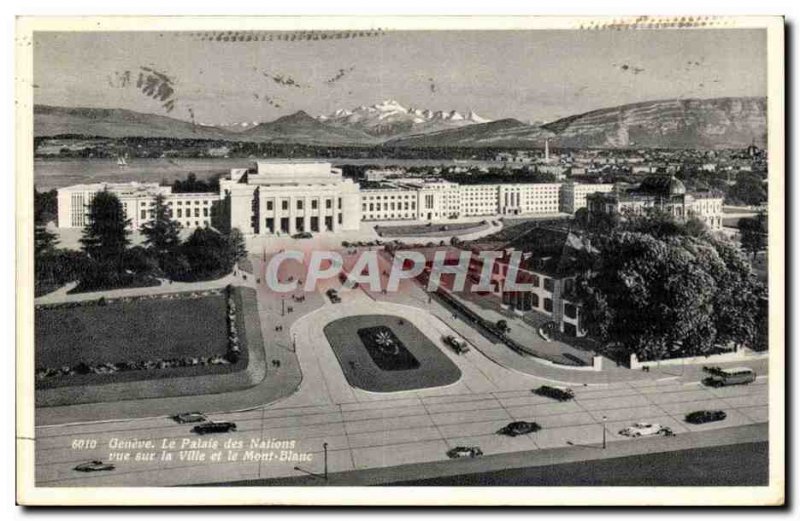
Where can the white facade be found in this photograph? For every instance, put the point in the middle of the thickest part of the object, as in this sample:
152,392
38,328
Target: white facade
191,210
573,195
290,197
439,200
283,197
389,204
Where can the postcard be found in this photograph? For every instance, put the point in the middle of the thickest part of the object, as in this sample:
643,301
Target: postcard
458,260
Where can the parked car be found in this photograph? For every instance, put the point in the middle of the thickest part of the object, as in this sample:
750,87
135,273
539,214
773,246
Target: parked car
302,235
210,427
646,429
562,394
333,295
464,452
698,417
519,428
94,466
189,417
732,376
459,346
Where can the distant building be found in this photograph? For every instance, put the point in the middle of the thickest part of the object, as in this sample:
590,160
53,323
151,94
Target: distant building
375,175
222,151
559,171
191,210
663,192
573,195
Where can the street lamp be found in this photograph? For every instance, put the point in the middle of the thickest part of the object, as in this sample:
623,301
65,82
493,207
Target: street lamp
325,468
325,455
604,431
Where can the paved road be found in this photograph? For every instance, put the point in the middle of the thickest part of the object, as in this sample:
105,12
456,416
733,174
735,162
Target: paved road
738,465
386,432
366,430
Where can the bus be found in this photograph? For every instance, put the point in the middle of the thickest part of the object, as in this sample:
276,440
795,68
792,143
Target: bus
731,376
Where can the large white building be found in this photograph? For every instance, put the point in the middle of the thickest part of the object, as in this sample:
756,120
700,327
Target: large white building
138,201
290,197
426,200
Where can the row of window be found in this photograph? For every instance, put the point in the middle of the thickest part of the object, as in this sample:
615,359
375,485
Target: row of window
144,214
395,196
188,203
284,224
529,301
300,204
376,207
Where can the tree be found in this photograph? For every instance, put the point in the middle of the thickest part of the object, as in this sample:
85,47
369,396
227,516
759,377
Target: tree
739,294
754,233
162,234
236,245
748,189
673,295
660,224
44,241
45,206
208,254
502,325
105,237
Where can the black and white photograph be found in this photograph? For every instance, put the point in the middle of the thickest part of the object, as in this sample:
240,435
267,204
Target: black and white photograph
284,254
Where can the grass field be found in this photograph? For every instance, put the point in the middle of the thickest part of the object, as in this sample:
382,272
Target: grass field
435,230
133,331
432,367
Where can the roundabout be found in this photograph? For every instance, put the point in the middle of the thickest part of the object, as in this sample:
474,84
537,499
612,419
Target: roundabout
386,353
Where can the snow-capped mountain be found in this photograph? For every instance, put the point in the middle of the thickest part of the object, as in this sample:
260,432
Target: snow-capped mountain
391,119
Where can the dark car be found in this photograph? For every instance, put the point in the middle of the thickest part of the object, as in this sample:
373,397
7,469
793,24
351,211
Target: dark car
459,346
519,428
562,394
211,427
94,466
464,452
333,295
302,235
699,417
189,417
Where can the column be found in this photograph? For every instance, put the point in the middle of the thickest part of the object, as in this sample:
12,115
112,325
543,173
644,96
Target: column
292,214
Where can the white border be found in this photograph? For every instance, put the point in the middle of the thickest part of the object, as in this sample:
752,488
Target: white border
437,495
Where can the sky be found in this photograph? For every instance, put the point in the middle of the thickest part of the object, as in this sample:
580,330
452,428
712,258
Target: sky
527,75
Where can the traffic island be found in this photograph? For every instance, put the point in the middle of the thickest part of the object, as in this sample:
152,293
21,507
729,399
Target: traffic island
387,353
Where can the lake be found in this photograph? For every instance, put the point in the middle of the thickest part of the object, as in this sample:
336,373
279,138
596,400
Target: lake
58,173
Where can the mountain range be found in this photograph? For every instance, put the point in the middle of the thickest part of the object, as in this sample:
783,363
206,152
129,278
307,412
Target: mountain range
685,123
390,119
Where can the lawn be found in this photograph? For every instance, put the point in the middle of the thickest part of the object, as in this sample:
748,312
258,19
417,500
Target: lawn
409,361
133,331
434,230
